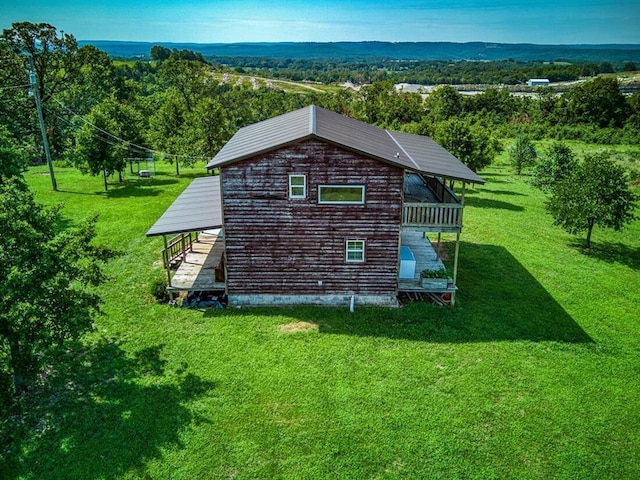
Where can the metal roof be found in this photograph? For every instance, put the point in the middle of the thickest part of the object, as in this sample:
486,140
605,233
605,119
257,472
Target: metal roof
413,152
199,207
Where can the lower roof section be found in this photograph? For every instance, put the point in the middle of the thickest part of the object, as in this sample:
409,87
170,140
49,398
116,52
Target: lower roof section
199,207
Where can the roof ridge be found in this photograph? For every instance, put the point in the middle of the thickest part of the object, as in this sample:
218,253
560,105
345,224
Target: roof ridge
312,120
403,150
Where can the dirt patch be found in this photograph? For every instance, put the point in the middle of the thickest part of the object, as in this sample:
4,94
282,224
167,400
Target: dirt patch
298,327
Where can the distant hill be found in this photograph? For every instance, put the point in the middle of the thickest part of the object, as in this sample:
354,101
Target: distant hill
386,50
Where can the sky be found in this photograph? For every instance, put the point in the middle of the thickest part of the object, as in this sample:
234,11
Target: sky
230,21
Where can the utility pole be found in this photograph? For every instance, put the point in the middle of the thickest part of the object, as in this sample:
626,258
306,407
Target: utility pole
43,130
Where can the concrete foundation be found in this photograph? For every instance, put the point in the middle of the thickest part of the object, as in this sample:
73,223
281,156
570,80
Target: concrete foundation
333,300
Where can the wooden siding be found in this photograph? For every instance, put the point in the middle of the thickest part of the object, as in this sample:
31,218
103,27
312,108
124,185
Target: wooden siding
275,245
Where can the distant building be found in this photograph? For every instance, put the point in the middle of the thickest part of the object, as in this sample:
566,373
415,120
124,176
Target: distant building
538,82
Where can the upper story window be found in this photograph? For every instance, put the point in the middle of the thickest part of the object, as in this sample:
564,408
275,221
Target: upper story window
341,194
297,186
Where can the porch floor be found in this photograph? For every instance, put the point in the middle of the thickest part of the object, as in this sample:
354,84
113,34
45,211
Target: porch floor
426,257
197,273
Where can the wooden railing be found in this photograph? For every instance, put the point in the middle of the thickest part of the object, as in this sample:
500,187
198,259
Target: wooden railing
178,246
440,190
433,215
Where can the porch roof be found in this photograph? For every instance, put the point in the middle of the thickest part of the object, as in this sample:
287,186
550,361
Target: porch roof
199,207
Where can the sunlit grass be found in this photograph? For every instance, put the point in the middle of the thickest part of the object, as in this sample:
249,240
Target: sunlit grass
534,374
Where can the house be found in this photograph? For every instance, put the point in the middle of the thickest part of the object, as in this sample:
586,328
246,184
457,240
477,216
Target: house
538,82
314,207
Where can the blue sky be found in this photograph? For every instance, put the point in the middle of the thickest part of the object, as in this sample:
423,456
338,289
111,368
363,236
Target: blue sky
226,21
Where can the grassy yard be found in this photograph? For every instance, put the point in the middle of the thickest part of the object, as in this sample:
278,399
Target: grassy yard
534,374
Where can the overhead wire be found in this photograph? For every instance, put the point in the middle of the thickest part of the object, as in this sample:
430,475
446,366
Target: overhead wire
15,86
96,135
140,148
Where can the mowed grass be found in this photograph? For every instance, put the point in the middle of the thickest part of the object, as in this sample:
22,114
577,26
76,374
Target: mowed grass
534,374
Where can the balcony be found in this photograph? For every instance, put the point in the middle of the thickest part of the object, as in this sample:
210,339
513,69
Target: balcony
429,206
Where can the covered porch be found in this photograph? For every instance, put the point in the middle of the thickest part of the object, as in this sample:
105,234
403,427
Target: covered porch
201,267
425,257
193,253
430,206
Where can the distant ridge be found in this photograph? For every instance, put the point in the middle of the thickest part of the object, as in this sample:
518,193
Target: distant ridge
614,53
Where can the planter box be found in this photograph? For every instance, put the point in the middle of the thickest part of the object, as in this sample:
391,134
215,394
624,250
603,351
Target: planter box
437,283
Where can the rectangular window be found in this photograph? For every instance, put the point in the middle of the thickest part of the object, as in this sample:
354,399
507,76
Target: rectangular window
297,186
355,251
341,194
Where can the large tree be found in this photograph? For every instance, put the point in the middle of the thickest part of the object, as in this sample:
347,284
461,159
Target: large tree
107,136
596,193
51,56
445,102
47,274
557,163
471,144
599,102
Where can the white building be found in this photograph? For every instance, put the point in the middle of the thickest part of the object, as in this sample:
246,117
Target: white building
538,82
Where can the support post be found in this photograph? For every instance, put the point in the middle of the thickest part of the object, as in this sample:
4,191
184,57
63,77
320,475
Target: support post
455,259
167,264
438,248
43,130
455,268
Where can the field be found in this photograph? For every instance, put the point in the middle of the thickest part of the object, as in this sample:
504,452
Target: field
534,374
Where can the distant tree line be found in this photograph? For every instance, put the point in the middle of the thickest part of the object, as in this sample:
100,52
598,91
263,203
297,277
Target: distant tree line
424,72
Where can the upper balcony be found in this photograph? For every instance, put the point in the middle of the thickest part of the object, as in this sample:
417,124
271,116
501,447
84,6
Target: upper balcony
430,206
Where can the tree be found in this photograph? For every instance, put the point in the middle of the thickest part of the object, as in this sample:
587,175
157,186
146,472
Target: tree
52,55
13,160
103,140
160,53
47,275
206,129
522,154
165,126
599,102
469,143
558,163
596,193
445,102
187,77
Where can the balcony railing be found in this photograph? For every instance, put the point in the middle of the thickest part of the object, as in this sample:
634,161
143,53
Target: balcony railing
436,216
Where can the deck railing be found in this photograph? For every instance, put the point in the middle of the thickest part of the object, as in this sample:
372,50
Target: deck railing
433,215
178,246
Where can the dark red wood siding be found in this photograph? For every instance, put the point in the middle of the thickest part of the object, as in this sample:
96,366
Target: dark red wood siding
275,245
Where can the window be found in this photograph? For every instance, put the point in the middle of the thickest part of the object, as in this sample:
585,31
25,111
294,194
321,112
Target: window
297,186
355,251
341,194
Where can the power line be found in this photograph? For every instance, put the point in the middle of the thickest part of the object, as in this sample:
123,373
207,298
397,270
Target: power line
115,137
15,86
95,135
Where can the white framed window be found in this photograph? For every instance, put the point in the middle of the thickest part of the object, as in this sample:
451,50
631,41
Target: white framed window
354,251
341,194
297,185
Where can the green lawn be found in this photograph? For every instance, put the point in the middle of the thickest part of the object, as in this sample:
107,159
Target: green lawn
534,374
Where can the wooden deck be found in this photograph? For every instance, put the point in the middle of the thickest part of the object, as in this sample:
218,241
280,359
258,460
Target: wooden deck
197,273
426,257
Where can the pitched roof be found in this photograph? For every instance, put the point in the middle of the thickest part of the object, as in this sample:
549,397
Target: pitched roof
412,152
199,207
